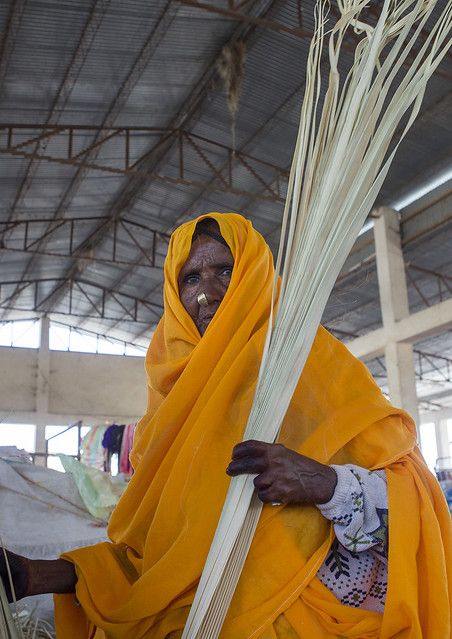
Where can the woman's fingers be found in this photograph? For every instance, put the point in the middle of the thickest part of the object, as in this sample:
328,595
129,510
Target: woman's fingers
270,495
249,457
263,481
250,465
251,448
283,475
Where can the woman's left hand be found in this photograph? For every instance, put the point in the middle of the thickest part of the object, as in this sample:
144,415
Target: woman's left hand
283,475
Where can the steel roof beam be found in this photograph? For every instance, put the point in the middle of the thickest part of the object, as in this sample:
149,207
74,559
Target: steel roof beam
252,196
234,13
137,184
25,236
134,306
118,103
9,39
64,91
206,149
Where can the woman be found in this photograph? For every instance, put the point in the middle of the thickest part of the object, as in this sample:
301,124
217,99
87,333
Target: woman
202,366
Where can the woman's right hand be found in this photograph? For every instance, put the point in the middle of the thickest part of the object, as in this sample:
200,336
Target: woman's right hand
36,576
19,568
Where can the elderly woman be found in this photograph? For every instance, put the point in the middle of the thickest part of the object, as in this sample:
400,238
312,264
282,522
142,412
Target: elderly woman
346,464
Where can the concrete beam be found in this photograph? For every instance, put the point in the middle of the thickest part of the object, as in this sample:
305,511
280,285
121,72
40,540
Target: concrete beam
57,387
435,415
414,328
435,397
62,419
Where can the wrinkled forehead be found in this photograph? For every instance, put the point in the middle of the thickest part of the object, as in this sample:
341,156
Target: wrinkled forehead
209,227
207,251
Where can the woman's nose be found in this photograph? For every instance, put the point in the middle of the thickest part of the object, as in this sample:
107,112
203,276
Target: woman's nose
213,289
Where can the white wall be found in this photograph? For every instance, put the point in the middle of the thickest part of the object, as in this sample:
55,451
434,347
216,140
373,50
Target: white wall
18,379
96,384
80,386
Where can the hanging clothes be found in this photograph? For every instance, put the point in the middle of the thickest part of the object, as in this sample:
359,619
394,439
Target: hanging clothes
111,442
125,466
92,452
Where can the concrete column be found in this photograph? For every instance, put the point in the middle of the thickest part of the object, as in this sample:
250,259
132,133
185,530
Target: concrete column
394,307
42,388
390,267
442,443
401,377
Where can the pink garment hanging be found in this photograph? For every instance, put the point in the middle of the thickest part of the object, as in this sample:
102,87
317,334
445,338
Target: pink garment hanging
126,446
91,447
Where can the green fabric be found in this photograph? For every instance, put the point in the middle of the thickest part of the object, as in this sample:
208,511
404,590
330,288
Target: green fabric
99,491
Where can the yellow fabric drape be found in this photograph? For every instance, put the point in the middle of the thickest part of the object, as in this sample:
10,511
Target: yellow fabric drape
200,392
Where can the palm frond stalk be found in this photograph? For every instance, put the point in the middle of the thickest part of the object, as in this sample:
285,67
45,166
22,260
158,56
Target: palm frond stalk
341,158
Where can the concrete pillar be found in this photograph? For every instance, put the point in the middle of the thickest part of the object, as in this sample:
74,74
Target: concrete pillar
394,307
442,443
42,389
401,377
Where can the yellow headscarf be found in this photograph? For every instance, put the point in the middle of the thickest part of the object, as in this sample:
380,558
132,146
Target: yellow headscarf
200,391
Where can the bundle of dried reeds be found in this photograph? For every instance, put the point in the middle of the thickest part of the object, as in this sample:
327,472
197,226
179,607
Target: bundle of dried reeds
341,159
9,627
32,627
19,625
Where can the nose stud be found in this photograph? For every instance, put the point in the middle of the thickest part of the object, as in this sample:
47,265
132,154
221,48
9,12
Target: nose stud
202,299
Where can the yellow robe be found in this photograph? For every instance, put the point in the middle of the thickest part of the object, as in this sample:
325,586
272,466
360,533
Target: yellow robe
200,391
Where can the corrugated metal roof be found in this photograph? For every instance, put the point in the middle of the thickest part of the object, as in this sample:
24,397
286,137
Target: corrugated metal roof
135,63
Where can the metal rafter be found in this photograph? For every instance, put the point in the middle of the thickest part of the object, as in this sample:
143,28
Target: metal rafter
232,10
208,153
432,360
150,163
426,363
62,95
140,63
444,282
122,277
253,197
136,309
25,236
199,196
9,38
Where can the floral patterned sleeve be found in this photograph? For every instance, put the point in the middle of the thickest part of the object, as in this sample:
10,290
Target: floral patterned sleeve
359,509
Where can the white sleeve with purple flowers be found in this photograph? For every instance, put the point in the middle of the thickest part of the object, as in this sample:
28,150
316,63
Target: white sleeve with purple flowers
359,509
355,569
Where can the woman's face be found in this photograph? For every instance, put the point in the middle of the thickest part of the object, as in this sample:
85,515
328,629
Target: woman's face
208,270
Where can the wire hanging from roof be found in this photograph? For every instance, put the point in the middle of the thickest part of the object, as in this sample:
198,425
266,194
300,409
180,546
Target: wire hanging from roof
230,66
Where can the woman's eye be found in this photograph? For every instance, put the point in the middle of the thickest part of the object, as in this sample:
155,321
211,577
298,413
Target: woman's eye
227,271
191,279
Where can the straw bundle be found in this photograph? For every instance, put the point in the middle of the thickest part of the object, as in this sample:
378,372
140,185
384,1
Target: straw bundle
9,628
32,627
340,161
22,625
